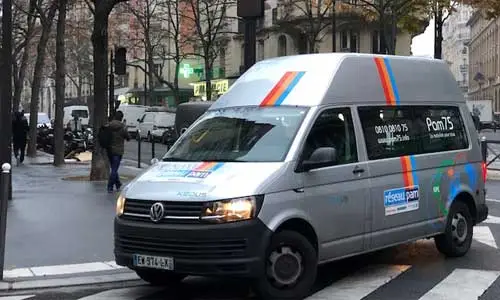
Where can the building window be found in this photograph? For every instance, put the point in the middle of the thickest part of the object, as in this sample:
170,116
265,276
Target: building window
353,43
375,42
275,15
261,50
282,51
344,40
241,26
242,55
222,62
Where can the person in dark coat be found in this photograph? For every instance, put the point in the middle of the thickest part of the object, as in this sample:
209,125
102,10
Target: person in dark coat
20,130
119,134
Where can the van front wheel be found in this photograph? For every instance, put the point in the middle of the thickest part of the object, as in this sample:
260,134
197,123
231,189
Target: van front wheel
457,238
290,267
160,278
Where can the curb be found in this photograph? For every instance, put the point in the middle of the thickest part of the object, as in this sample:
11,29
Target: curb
37,283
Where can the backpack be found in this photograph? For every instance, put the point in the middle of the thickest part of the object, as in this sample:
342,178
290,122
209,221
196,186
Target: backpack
105,135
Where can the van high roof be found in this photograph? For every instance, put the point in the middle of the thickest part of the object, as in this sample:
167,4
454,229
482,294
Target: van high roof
343,78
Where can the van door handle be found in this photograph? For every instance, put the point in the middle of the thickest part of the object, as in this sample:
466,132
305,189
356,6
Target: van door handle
358,170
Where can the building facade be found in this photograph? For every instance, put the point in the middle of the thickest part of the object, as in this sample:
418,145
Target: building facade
456,37
484,63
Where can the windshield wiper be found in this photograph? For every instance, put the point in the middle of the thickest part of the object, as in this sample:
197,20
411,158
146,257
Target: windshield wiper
176,159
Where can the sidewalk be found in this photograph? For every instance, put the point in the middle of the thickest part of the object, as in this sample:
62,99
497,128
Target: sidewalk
52,221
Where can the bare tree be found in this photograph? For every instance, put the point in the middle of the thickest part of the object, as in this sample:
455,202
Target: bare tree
101,10
60,84
160,43
306,20
47,14
24,19
210,30
394,15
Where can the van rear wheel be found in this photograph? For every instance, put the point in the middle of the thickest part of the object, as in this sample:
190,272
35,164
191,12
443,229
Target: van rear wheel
160,278
290,267
457,238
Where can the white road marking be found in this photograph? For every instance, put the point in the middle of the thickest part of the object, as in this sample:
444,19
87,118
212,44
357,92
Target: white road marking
16,297
62,269
123,294
493,200
361,283
483,235
462,284
492,220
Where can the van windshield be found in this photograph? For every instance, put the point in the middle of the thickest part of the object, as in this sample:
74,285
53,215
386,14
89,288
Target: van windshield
246,134
80,113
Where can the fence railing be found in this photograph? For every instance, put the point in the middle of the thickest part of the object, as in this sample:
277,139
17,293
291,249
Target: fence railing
486,149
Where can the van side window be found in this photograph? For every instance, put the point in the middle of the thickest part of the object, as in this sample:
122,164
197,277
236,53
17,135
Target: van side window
333,128
389,131
442,129
403,130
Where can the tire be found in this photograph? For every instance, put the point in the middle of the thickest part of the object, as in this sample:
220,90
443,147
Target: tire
457,238
160,278
298,283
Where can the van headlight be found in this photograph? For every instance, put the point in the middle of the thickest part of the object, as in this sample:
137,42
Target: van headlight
120,205
232,210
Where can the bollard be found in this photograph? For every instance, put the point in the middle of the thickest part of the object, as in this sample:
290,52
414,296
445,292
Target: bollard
139,151
4,196
484,148
153,148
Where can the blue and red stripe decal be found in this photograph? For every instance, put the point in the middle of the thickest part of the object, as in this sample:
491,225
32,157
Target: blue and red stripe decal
388,80
281,90
409,167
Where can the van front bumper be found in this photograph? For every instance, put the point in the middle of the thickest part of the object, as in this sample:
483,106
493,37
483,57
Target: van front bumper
235,249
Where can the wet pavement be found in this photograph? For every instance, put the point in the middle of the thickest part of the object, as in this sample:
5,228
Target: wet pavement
51,221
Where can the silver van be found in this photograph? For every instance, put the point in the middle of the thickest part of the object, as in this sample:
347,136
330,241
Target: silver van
305,160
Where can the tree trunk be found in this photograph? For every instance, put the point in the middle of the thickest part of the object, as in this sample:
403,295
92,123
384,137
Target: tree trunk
19,79
79,89
100,165
438,33
208,77
37,77
177,98
60,86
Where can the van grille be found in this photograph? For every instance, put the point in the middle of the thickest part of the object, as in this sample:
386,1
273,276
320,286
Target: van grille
175,211
186,248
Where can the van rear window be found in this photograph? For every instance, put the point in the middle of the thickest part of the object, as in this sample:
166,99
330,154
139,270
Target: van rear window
404,130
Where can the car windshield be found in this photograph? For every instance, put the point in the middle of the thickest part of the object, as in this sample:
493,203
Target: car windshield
246,134
166,119
80,113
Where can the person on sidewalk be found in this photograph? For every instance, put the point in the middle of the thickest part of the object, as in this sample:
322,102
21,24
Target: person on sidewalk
20,130
118,134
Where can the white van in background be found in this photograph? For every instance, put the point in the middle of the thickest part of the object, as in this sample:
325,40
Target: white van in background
131,113
80,111
153,123
43,120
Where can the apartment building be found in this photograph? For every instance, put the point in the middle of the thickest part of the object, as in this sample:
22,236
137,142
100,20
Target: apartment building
456,37
484,63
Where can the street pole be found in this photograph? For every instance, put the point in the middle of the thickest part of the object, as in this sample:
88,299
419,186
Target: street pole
250,42
334,26
6,88
111,86
145,79
4,196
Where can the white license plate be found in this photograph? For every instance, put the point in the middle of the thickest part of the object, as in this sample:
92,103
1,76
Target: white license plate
154,262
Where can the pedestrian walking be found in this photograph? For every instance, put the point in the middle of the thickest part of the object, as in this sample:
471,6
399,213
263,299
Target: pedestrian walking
20,130
112,137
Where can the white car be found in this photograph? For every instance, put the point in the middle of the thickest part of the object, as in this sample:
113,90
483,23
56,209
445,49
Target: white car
154,123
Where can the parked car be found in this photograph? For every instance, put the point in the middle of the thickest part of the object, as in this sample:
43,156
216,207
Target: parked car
153,123
43,120
131,114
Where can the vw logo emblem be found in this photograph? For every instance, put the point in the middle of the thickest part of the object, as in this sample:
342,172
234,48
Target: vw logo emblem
157,211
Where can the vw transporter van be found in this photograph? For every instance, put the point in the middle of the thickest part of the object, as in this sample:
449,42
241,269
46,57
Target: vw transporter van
305,160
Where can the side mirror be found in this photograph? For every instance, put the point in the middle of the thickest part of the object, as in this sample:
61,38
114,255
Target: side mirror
139,120
321,157
154,161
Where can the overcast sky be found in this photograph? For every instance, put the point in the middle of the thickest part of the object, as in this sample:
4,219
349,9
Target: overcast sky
423,45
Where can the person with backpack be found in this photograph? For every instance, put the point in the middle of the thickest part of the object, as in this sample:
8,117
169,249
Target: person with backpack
112,138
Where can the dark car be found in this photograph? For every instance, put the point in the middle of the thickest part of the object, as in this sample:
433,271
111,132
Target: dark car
187,113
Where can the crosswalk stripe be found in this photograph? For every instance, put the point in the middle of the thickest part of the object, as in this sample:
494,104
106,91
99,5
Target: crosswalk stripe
463,284
17,297
131,293
361,283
